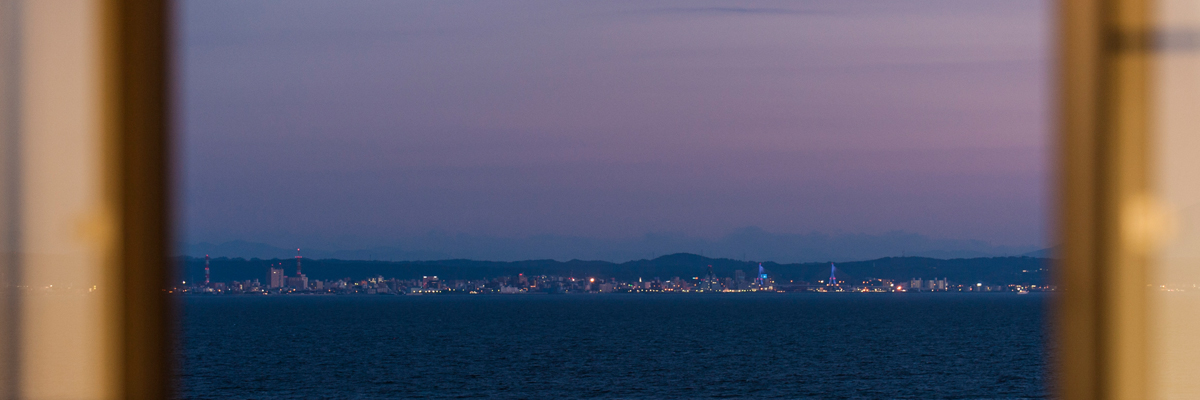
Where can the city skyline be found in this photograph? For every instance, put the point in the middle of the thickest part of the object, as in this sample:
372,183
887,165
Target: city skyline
284,272
278,282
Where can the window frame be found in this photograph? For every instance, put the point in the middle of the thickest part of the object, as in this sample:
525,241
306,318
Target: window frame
1104,49
1105,208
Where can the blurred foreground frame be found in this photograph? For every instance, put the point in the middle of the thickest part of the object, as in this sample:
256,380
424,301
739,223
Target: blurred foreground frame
1105,218
84,184
1111,215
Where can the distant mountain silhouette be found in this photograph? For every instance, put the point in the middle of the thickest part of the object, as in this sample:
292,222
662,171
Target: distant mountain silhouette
245,249
744,244
989,270
1049,252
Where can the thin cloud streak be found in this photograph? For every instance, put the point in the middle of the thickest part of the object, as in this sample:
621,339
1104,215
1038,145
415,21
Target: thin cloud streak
728,11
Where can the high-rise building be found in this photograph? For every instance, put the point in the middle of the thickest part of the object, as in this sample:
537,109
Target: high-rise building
276,279
739,281
298,282
710,282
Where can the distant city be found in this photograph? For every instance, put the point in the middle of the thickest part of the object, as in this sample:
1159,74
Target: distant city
278,282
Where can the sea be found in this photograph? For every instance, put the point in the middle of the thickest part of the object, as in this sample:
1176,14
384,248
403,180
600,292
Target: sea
616,346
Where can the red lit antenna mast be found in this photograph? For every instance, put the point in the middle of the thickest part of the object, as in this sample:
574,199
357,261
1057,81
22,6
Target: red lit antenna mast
298,262
206,270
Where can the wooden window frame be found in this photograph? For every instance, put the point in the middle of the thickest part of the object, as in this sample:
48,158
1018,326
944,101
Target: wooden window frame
1104,48
138,48
1104,104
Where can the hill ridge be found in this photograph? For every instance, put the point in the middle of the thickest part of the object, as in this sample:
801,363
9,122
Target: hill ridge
988,270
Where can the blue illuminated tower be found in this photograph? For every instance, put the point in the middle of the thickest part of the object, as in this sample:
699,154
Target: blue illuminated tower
762,277
832,274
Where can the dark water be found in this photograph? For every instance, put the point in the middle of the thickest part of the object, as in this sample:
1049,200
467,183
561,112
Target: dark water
837,346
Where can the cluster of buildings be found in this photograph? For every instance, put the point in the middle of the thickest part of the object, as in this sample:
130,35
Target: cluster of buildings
928,285
278,282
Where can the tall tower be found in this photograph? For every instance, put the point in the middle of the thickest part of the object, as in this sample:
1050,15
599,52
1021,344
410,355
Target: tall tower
762,276
298,262
832,274
710,280
206,270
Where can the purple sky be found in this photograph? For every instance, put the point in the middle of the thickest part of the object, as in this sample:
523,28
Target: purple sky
342,123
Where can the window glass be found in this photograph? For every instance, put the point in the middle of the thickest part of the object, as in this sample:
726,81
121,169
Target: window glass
613,199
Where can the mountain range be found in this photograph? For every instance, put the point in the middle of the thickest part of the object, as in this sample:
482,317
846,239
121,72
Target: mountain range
745,244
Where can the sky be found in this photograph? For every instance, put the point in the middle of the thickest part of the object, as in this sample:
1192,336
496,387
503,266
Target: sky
354,124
